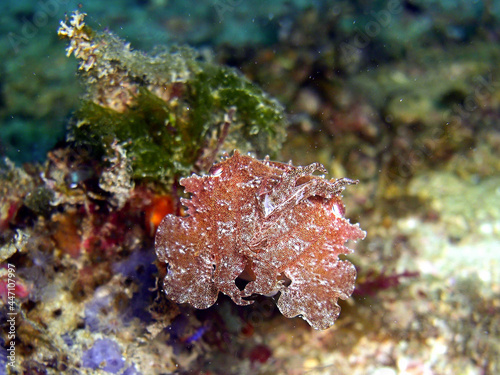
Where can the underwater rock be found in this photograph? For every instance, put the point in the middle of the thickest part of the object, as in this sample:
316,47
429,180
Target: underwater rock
273,226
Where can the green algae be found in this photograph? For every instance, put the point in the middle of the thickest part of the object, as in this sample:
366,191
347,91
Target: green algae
172,111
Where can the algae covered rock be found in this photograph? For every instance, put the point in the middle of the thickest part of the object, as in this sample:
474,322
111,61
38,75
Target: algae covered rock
172,111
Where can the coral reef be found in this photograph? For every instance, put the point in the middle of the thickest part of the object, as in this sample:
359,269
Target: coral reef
81,225
403,96
273,223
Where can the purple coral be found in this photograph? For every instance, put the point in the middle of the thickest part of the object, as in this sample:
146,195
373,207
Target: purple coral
131,371
105,355
97,310
3,358
108,311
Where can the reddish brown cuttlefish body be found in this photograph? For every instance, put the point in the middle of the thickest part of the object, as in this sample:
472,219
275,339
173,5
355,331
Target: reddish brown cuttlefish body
275,224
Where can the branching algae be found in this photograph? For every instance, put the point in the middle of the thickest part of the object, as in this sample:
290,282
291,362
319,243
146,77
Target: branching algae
172,111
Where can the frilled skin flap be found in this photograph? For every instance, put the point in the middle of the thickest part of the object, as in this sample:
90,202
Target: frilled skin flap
275,225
